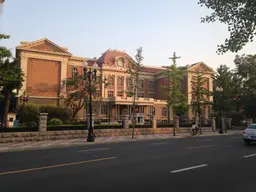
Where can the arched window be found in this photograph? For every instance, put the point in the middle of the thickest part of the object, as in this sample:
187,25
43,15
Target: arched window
120,81
111,80
129,82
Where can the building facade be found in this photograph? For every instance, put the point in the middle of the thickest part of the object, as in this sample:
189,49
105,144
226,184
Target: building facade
46,65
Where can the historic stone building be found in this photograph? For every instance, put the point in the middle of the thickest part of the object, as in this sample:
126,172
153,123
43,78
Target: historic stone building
46,64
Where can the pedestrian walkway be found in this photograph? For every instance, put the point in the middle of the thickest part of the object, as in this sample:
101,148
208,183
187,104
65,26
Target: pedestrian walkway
33,145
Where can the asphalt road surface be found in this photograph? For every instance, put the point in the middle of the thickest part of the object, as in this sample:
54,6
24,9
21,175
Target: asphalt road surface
197,164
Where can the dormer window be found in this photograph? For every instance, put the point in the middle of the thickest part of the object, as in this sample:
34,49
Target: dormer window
120,62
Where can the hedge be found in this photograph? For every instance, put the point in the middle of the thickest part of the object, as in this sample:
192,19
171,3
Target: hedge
29,113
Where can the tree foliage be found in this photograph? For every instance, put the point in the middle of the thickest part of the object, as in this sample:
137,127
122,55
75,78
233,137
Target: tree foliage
239,15
246,74
200,94
176,100
11,77
175,97
134,72
78,89
223,89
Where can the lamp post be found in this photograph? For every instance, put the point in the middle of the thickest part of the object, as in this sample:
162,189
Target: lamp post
90,74
24,98
220,90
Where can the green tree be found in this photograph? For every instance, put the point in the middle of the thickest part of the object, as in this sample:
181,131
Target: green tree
245,71
176,100
11,77
223,92
200,94
134,72
77,89
239,15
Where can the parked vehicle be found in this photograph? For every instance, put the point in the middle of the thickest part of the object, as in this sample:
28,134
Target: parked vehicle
249,134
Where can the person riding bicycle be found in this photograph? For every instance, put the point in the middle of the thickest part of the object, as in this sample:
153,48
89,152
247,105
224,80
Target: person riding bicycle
194,128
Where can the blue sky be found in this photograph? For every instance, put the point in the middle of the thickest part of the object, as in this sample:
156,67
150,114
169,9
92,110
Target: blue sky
90,27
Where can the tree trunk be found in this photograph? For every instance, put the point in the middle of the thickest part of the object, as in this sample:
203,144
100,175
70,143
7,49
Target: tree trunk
174,123
200,127
6,109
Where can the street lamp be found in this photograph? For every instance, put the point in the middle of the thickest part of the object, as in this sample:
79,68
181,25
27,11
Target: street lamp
24,98
90,74
220,89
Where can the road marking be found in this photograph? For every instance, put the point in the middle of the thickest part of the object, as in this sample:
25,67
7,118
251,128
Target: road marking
201,140
189,168
88,150
162,143
55,166
198,147
252,155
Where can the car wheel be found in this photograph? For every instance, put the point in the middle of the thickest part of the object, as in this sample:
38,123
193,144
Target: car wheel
247,142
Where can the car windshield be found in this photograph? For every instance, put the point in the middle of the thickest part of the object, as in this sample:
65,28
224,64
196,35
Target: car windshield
252,126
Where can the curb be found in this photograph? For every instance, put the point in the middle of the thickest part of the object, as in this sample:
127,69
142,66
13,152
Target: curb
107,142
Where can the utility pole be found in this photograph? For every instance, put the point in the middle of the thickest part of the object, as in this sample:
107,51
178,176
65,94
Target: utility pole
173,58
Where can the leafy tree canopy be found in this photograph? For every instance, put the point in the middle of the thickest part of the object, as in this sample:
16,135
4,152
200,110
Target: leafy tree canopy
239,15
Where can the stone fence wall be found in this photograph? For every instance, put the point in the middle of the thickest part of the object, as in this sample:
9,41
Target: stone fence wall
71,134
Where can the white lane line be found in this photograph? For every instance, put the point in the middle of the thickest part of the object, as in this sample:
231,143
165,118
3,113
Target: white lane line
88,150
201,140
198,147
162,143
251,155
189,168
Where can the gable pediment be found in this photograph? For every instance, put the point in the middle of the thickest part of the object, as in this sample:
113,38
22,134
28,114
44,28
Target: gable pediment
201,67
43,45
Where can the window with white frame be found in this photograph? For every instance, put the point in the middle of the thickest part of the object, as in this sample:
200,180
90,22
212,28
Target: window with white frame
110,94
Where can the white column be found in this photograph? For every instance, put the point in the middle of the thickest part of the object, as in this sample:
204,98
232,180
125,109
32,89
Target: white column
124,87
24,68
115,86
63,75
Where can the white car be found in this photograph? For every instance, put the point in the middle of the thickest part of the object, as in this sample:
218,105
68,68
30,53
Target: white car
249,134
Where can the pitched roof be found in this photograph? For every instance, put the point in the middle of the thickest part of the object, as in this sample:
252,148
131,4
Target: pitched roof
110,54
27,45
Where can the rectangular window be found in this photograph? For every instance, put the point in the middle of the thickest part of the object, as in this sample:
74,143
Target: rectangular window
151,84
141,84
110,94
120,93
104,110
120,81
129,82
141,109
140,95
151,95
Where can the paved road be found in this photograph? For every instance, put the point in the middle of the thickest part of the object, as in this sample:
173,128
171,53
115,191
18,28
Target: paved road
196,164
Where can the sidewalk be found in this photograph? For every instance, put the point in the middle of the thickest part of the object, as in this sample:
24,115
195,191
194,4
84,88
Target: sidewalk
34,145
